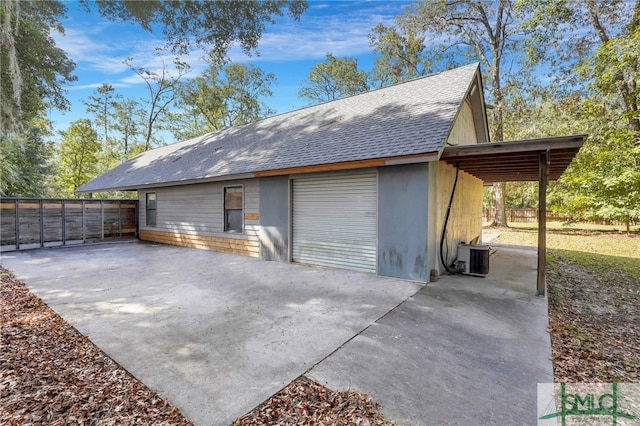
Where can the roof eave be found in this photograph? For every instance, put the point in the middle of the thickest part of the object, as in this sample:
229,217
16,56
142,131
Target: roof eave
314,168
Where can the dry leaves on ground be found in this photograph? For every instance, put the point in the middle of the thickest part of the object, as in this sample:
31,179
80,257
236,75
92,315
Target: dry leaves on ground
594,319
305,402
51,374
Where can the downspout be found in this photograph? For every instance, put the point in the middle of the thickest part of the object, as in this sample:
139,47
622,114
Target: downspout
446,222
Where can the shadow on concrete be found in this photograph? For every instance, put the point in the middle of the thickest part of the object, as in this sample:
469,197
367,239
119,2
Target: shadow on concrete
463,350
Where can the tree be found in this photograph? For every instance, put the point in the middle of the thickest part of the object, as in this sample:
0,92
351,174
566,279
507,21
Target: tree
127,118
603,182
78,156
334,78
101,105
605,54
598,66
161,86
221,97
33,70
120,123
25,165
212,26
461,30
401,54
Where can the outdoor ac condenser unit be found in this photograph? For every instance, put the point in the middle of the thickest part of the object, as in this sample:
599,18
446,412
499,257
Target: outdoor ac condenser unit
473,259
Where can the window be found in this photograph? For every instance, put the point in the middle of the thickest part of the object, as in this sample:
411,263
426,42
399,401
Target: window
233,209
151,208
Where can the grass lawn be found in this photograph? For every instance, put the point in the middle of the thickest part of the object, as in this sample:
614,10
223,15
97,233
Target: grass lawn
563,226
593,279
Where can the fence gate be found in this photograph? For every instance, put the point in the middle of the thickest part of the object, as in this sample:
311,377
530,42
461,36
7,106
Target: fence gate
27,223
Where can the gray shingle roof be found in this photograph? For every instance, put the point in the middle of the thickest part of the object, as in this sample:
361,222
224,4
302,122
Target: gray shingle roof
409,118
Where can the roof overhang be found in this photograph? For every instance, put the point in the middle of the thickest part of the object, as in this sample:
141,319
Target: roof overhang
515,161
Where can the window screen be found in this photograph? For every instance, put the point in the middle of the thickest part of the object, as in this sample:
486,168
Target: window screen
151,208
233,209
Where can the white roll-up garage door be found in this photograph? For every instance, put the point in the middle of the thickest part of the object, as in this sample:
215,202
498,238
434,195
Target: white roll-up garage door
335,220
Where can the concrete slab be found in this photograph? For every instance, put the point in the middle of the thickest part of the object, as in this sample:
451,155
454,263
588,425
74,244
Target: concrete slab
215,334
463,350
489,236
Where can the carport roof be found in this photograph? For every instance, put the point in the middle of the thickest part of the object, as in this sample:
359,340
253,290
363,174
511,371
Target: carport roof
538,160
515,161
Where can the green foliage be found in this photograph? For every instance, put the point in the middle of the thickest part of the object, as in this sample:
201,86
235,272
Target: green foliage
459,31
120,123
401,54
101,105
128,116
334,78
221,97
615,66
213,26
25,165
162,88
603,181
78,156
33,70
597,93
521,195
602,58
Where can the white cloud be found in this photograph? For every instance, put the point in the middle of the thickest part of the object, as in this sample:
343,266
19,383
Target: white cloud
344,32
337,27
96,85
90,51
99,47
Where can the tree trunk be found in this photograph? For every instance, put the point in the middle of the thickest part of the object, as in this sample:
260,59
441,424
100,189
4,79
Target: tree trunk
499,193
500,216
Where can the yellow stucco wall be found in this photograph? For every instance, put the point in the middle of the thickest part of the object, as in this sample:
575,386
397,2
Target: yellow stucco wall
463,131
465,220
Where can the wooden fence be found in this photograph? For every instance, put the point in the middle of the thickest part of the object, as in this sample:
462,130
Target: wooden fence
27,223
524,215
530,215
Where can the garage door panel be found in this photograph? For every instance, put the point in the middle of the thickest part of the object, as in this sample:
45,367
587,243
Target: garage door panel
335,220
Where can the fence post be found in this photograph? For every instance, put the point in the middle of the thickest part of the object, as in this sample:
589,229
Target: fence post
137,211
41,204
102,220
17,224
63,208
84,232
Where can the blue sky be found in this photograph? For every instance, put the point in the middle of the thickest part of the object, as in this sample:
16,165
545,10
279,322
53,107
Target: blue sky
288,49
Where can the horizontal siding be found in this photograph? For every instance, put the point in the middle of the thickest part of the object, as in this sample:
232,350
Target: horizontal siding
224,244
198,210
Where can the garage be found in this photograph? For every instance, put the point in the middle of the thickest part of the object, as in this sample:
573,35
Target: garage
334,220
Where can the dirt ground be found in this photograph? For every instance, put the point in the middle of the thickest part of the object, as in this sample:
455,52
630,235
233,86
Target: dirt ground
594,319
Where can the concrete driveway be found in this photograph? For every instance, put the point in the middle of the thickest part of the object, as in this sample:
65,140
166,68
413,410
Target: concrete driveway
463,350
217,334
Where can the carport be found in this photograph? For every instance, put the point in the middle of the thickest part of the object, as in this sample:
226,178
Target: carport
531,160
